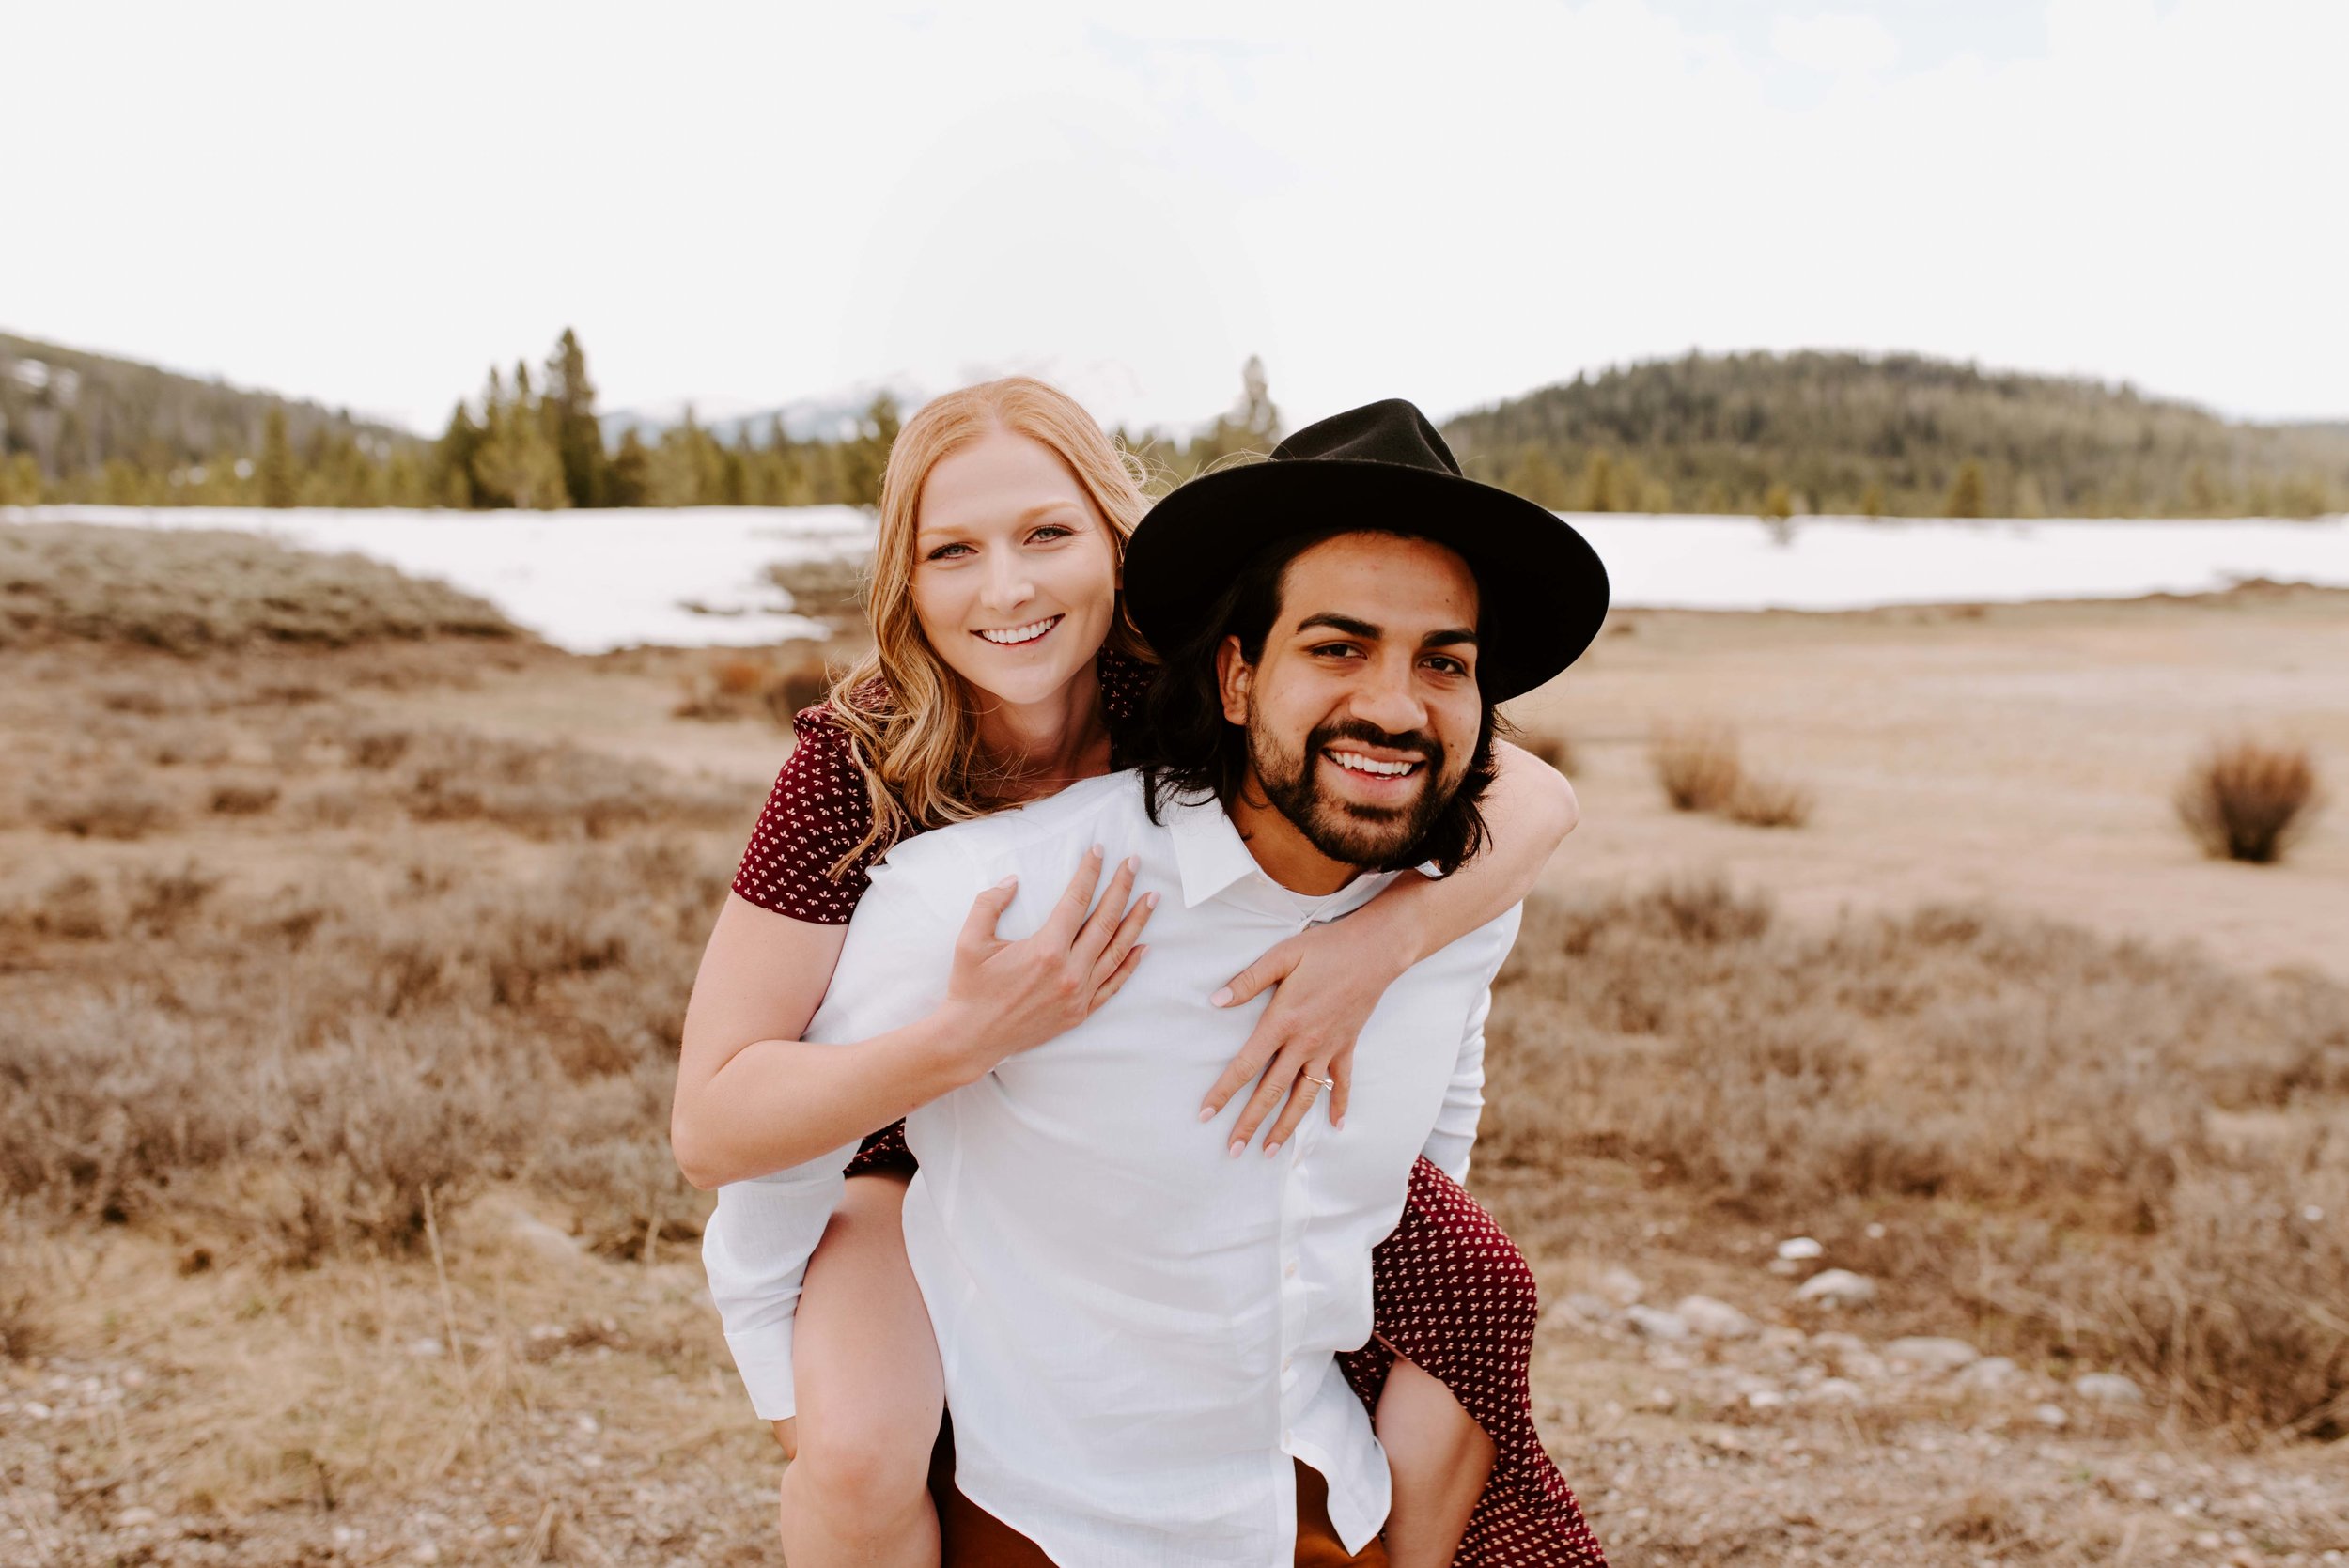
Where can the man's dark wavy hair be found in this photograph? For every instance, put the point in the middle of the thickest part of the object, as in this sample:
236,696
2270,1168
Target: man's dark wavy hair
1185,746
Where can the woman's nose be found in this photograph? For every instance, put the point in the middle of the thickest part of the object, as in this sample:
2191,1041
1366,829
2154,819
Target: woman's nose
1008,586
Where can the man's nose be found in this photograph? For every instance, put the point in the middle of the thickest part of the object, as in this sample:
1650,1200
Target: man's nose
1385,697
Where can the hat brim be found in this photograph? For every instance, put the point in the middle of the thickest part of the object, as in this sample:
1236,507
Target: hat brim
1542,586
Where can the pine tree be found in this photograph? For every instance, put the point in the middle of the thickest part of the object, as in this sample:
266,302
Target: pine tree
570,418
280,483
517,464
865,456
1966,499
1539,480
630,475
19,481
1599,483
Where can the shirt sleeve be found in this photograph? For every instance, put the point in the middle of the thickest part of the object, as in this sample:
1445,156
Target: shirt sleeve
1454,1138
817,813
893,970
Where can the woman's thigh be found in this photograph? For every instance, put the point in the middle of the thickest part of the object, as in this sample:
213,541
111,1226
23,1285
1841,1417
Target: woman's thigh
864,1356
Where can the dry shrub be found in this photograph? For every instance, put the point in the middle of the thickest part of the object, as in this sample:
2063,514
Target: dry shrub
118,807
1549,745
2035,1076
189,590
243,799
22,1288
1761,803
1697,765
828,588
1701,770
739,686
545,791
298,1073
2246,800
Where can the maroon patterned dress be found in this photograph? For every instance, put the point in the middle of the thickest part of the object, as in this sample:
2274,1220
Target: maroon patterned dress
1451,1292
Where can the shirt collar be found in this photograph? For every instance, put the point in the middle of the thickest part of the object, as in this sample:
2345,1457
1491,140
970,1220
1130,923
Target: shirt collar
1211,858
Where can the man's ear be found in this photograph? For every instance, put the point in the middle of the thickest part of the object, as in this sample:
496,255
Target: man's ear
1233,677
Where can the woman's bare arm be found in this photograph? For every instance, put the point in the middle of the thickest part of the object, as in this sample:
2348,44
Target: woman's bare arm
754,1098
1330,977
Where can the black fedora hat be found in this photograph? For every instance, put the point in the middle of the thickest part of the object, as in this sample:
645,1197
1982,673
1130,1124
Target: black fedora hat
1382,466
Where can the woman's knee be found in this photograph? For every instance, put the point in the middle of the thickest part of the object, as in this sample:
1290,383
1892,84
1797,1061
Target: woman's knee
873,1465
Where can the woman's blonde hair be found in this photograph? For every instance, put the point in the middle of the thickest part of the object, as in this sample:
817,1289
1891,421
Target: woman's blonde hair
908,715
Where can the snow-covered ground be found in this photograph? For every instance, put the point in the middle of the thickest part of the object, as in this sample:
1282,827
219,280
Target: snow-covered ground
1714,563
595,581
589,582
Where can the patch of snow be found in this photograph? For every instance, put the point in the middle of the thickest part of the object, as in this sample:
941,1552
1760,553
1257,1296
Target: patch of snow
586,580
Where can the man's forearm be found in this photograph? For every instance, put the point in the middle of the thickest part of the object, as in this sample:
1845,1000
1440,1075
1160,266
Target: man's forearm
778,1102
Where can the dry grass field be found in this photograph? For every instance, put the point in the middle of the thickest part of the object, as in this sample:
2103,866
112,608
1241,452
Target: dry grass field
344,935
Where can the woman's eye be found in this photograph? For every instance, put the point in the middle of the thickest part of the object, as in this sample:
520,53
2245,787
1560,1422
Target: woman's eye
1049,532
1447,666
945,552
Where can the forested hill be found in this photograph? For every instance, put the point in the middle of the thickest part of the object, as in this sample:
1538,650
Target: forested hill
74,412
1899,435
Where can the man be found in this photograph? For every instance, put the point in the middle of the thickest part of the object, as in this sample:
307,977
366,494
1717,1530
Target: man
1137,1332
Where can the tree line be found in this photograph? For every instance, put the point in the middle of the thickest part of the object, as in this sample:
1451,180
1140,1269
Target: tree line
1764,434
1889,436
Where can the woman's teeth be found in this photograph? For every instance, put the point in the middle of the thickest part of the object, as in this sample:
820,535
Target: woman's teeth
1028,633
1356,762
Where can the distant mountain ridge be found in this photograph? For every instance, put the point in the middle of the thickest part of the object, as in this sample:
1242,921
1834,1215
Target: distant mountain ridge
835,416
1892,434
74,413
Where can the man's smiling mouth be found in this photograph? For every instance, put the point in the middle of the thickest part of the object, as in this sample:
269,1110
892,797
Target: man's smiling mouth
1369,766
1014,636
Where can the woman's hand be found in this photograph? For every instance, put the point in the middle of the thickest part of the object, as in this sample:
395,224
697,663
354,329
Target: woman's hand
1013,996
1329,979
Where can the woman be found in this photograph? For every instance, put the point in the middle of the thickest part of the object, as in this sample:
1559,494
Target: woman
1003,667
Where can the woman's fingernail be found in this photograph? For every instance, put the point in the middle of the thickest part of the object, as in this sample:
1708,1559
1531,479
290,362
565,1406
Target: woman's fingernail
1013,881
1271,1149
1207,1113
1237,1145
1098,852
1222,998
1149,900
1336,1122
1133,862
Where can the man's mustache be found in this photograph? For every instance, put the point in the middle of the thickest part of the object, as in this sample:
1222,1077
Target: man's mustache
1364,733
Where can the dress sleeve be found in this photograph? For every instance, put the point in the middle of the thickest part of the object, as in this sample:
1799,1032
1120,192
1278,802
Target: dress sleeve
817,813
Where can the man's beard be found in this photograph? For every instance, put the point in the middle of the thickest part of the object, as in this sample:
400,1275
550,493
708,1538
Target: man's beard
1376,838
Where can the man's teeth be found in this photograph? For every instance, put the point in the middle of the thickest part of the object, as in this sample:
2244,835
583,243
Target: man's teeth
1361,763
1028,633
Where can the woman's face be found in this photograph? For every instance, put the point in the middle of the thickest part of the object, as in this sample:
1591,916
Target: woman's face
1015,577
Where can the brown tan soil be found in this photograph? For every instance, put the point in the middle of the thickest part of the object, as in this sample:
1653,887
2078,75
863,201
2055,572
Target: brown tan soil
528,1388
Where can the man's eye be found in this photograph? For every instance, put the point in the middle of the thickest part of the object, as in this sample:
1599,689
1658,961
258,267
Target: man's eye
1345,650
1443,665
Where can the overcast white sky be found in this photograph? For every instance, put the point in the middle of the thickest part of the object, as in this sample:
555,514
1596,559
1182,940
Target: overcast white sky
748,203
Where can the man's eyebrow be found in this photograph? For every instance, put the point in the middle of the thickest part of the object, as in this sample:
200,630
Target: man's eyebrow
1449,637
1347,624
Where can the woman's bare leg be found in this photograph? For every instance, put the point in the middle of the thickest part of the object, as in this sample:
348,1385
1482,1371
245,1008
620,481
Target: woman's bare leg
1439,1459
864,1359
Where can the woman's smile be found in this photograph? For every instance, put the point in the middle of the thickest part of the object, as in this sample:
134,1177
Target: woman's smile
1012,637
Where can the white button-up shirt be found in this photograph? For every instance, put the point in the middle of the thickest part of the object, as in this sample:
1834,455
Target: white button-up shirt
1138,1331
